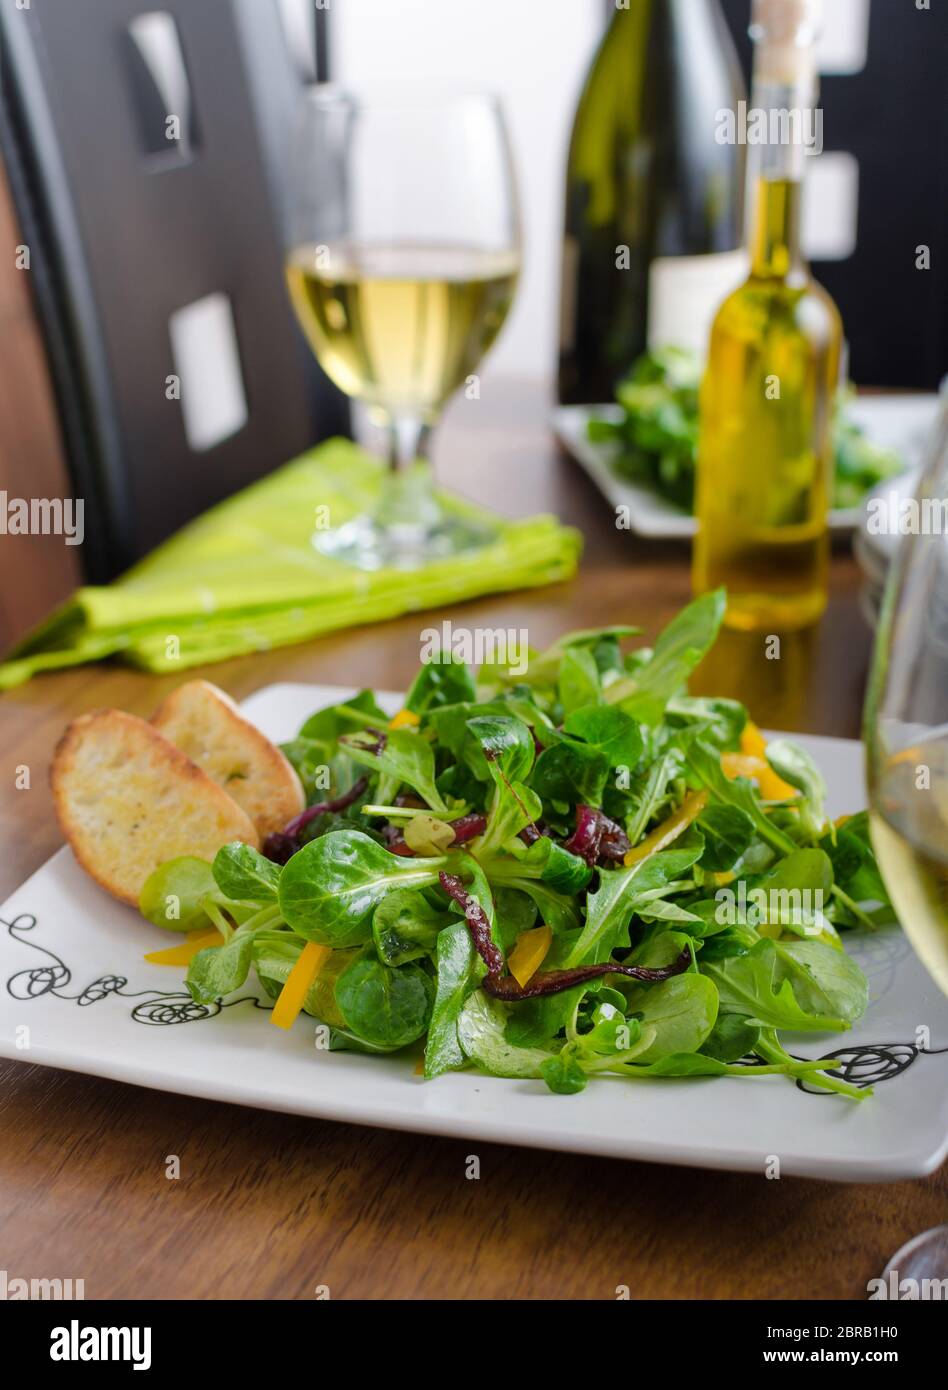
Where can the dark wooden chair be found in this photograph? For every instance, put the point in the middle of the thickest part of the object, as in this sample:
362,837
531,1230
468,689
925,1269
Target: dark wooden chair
145,149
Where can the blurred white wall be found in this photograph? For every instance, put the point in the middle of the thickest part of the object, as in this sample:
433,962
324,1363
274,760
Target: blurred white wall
535,53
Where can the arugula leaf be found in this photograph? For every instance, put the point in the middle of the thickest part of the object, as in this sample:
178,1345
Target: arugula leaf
578,683
443,681
458,969
679,649
722,720
727,832
854,864
404,757
824,981
650,791
544,667
658,910
793,890
327,724
609,909
704,761
513,807
753,985
563,871
796,766
557,910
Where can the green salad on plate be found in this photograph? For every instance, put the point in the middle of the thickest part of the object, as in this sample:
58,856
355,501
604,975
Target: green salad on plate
557,874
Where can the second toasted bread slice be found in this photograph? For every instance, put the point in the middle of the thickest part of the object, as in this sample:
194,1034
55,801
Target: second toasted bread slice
209,728
128,800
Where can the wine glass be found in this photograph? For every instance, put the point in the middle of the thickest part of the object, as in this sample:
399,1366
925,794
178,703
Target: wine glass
906,735
906,720
403,262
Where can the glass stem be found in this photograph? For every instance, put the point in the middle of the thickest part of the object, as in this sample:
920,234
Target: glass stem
408,439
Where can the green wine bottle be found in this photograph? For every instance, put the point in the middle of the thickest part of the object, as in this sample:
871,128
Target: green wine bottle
654,222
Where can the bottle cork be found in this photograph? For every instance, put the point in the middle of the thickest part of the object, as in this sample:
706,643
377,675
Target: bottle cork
785,34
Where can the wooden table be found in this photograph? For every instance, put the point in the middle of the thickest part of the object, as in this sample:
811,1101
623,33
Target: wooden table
272,1206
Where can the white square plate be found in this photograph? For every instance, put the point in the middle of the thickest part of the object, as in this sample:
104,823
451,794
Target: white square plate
76,993
893,422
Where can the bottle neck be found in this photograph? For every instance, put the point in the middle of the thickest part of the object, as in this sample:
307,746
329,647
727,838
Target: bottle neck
783,125
775,249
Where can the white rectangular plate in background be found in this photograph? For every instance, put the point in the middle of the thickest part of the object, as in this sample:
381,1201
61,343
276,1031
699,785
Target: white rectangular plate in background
75,987
902,423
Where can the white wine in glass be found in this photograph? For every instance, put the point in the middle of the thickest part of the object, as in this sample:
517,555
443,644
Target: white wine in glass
906,726
403,264
401,327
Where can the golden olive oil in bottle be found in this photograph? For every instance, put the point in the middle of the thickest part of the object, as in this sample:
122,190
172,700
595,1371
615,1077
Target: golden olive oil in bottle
764,453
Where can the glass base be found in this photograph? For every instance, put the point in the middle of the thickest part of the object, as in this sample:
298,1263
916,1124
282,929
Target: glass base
408,529
369,544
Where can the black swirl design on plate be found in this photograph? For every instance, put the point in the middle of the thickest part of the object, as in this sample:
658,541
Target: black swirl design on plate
862,1065
158,1008
175,1008
869,1064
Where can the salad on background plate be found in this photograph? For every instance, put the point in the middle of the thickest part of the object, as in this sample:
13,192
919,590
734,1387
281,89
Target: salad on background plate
640,450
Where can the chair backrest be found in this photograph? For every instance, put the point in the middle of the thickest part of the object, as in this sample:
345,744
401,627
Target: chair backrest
136,137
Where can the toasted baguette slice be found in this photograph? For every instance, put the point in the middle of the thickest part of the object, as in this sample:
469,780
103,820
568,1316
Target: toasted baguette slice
209,728
127,799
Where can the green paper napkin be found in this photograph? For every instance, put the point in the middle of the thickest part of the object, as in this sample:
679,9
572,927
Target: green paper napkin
244,576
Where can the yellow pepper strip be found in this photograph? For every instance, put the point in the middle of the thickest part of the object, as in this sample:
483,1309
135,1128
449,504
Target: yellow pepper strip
774,788
741,765
185,953
529,953
293,994
753,742
404,717
751,761
689,810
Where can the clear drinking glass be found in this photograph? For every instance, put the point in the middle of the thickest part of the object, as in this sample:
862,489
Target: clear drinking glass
906,723
403,263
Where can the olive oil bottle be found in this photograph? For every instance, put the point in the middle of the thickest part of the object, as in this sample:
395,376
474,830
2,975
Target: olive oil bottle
764,453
